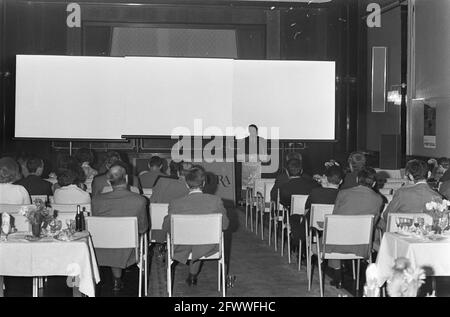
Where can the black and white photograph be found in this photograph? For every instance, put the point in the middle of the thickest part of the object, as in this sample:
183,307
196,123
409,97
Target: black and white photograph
224,155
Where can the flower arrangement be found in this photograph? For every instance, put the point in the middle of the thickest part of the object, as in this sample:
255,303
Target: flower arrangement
39,214
403,282
438,210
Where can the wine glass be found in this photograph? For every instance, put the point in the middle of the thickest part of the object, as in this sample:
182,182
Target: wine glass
398,223
443,223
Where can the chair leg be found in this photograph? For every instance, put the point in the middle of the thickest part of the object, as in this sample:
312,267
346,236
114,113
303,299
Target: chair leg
308,261
251,217
288,245
357,275
270,228
299,254
282,240
141,255
224,285
275,229
256,220
169,277
262,224
146,265
246,215
319,264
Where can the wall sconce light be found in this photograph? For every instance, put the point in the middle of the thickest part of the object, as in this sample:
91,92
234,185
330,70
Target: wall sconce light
395,96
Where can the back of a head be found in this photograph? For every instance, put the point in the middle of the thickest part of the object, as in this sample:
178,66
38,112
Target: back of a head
34,163
9,170
195,178
357,161
117,174
293,155
155,162
84,155
67,177
334,174
294,167
175,167
367,177
417,169
111,158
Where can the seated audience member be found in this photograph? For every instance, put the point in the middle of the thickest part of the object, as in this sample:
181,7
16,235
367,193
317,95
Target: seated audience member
148,178
298,184
10,193
69,191
441,173
324,195
356,162
33,183
133,189
119,203
100,181
167,189
67,162
283,177
359,200
195,203
412,198
86,158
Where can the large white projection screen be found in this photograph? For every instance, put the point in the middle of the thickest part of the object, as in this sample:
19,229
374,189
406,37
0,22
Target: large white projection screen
166,95
76,97
298,97
69,97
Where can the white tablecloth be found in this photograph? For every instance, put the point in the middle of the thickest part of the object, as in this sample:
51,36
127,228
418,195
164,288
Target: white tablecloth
421,253
19,257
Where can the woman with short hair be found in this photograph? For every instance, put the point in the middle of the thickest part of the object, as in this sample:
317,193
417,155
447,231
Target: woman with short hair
10,193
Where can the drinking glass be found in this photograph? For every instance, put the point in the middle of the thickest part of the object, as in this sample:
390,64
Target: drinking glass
443,223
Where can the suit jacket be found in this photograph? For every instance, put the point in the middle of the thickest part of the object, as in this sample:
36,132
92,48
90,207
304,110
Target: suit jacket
36,185
195,204
444,189
359,200
120,203
148,179
98,183
281,179
296,186
168,189
411,199
350,180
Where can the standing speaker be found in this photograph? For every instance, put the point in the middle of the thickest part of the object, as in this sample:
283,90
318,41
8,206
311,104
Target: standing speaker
390,152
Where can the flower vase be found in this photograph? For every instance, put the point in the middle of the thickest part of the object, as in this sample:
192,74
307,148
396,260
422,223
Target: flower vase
436,227
36,229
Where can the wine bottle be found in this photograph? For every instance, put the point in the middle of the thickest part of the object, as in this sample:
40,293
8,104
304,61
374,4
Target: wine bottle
78,219
83,222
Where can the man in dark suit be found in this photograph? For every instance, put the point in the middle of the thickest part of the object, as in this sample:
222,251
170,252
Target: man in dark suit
195,203
411,198
324,195
119,203
33,183
359,200
147,179
298,184
168,189
100,181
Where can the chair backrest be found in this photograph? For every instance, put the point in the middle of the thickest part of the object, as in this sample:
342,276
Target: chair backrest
391,225
196,229
147,192
13,209
348,230
44,198
318,213
386,191
259,186
113,232
298,204
267,189
71,208
157,214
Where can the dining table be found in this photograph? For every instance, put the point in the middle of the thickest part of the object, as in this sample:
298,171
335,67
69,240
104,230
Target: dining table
431,252
23,255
